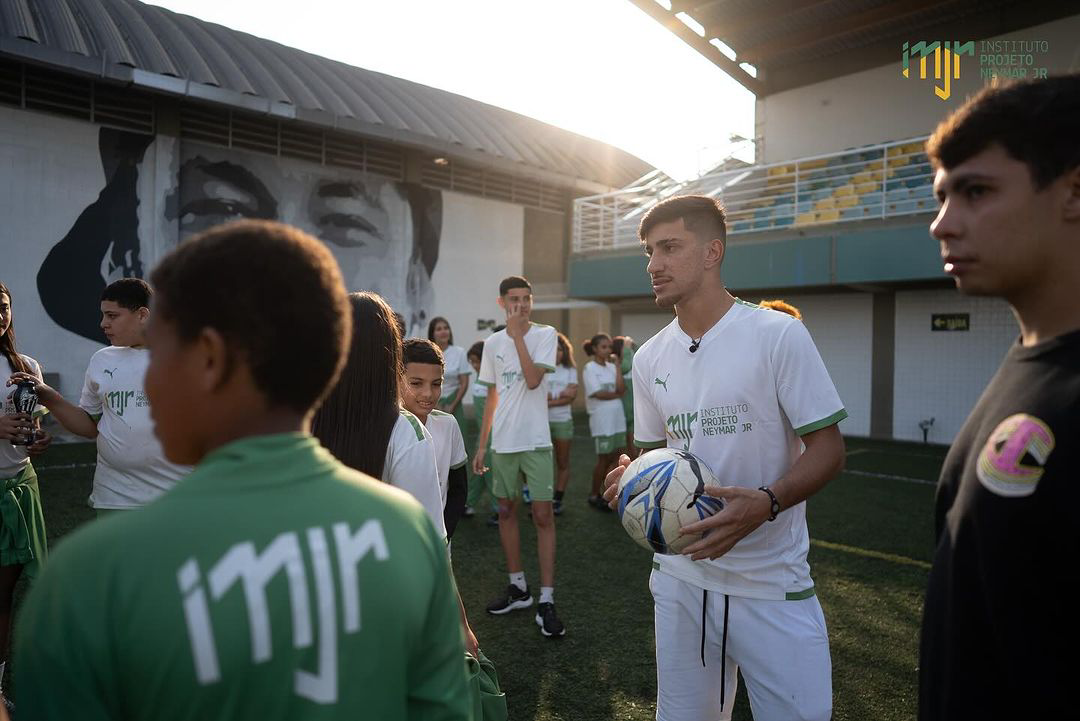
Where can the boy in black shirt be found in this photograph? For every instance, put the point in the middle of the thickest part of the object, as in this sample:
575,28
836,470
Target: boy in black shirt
999,633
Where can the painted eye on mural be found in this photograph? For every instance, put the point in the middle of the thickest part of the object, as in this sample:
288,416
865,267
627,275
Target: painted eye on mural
347,215
217,192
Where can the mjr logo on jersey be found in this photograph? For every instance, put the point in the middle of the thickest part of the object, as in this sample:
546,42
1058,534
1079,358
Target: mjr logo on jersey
120,400
250,573
681,425
510,377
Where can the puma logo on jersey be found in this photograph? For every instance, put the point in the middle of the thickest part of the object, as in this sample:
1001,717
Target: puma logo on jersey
108,372
659,382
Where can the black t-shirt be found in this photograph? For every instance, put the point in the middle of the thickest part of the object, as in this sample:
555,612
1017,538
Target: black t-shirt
1001,632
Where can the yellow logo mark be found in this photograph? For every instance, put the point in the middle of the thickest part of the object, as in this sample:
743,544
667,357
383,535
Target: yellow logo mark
945,54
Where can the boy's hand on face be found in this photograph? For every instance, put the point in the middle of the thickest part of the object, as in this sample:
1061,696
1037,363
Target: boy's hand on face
45,394
517,321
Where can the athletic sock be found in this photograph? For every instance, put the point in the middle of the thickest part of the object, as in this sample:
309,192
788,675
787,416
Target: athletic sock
3,665
559,495
518,579
547,594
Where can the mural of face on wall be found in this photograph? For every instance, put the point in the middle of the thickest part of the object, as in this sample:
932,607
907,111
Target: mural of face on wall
384,234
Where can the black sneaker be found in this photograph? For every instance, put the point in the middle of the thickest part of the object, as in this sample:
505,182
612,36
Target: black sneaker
469,511
549,623
556,507
599,503
514,598
493,520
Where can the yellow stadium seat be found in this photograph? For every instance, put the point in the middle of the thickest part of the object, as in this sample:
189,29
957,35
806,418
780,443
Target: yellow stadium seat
805,218
825,204
848,201
844,190
828,216
867,187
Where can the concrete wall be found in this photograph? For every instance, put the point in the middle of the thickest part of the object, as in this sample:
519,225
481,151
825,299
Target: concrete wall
84,205
940,375
879,105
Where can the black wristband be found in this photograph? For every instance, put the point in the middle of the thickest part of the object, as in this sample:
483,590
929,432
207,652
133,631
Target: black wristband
774,508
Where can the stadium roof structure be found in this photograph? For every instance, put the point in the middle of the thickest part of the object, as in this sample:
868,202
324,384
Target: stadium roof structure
792,43
151,48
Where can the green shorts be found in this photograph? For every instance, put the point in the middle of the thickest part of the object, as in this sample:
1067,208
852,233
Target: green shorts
609,444
536,467
562,430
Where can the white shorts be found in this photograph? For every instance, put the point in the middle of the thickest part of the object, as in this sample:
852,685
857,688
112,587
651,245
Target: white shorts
782,648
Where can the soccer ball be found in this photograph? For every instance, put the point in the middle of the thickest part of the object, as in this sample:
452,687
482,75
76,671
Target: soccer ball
662,491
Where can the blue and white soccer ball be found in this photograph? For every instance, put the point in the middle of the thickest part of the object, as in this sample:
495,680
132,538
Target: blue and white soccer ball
662,491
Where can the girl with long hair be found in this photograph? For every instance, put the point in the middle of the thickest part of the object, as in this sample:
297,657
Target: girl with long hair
456,373
604,386
362,422
562,387
22,523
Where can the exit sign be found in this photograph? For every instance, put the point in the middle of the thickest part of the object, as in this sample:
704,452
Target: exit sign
950,321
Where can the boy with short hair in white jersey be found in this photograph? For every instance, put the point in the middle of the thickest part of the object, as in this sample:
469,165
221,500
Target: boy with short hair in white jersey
741,598
513,367
423,362
113,408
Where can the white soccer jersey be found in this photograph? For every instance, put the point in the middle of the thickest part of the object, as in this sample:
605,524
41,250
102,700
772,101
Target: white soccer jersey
479,390
449,446
740,403
521,419
410,465
606,417
131,467
557,381
455,363
14,458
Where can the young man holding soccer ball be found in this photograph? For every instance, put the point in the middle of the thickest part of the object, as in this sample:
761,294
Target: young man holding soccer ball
744,389
999,634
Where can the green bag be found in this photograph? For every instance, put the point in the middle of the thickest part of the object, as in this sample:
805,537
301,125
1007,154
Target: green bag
489,702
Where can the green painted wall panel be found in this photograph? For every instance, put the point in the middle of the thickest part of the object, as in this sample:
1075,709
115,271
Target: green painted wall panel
907,253
863,256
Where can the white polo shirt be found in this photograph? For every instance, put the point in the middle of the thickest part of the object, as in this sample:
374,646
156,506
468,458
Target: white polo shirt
410,465
606,417
455,363
449,446
14,458
521,417
740,403
557,381
131,466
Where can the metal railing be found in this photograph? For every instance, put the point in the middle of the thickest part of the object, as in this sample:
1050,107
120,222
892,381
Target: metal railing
878,181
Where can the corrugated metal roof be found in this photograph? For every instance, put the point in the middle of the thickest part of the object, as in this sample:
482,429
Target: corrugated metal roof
148,46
